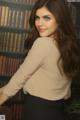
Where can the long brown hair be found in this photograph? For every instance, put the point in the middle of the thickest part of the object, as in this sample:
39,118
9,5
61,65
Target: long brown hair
67,43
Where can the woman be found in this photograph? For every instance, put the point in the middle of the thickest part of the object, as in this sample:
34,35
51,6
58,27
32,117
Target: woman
51,63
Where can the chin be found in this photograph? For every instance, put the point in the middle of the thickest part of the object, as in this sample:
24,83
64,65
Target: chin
43,35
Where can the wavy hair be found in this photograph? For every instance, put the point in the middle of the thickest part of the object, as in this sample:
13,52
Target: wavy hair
65,35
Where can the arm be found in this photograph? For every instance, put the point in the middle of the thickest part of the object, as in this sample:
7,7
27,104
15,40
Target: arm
30,65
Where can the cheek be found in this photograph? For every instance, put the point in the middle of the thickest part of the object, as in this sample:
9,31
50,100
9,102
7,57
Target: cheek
53,25
36,24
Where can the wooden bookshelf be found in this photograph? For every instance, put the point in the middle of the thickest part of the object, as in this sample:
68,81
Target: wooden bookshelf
14,27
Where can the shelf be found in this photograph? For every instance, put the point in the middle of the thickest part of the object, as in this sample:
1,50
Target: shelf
16,6
14,30
13,54
4,78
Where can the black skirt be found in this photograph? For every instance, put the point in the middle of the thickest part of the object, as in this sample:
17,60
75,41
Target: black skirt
37,108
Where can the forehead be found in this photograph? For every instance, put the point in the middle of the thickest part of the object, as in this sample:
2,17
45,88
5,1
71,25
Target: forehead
43,11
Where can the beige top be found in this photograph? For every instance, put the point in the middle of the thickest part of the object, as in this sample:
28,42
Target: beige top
39,74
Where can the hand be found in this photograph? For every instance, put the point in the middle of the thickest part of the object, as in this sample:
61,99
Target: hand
3,97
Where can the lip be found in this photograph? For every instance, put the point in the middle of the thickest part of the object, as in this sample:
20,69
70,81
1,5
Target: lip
42,30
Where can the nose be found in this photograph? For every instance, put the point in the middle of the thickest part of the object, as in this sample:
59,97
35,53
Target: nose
40,22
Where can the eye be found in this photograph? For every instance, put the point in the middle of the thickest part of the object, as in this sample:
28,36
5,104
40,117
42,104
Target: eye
36,17
47,18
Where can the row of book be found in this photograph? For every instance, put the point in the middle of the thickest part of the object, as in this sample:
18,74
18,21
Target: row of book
13,112
14,18
8,65
12,42
17,111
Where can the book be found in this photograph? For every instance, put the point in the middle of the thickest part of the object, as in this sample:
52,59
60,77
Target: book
6,16
1,60
0,14
3,15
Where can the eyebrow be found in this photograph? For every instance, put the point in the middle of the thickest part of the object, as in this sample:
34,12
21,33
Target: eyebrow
43,16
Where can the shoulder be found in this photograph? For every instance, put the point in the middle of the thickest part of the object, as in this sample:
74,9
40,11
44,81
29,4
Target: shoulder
41,44
43,41
45,44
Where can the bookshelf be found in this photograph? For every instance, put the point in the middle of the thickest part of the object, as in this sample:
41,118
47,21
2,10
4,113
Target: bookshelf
14,27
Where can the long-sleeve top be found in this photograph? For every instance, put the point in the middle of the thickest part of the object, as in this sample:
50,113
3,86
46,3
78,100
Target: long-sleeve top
39,74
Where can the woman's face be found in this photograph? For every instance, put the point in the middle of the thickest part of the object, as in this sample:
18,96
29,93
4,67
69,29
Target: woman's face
45,22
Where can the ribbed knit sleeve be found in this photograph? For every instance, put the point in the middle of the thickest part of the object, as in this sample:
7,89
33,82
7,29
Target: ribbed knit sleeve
31,63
